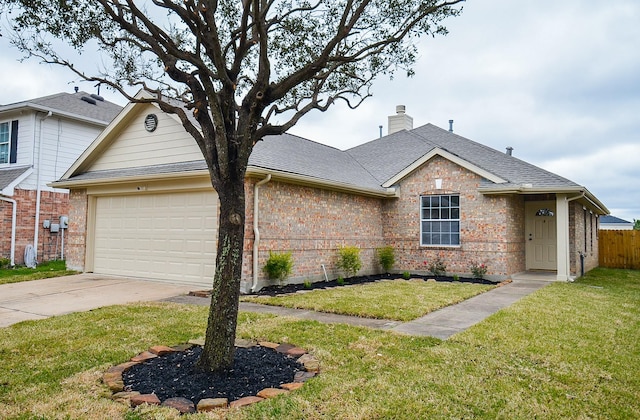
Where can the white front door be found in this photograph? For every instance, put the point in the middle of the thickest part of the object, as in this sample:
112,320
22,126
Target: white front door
540,235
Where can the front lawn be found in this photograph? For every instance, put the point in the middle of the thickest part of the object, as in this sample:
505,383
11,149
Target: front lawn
399,300
570,350
42,271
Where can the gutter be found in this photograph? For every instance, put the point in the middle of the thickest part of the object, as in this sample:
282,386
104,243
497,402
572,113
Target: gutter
256,231
391,192
13,227
46,109
529,189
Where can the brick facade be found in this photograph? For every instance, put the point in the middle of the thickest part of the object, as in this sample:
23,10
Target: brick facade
583,238
312,223
52,206
491,228
77,232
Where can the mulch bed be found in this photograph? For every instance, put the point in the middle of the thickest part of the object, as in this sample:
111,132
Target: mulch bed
293,288
176,375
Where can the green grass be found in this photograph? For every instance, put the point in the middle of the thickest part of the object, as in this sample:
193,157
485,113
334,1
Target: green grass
570,350
42,271
398,300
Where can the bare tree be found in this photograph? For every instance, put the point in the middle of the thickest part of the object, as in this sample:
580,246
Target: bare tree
246,69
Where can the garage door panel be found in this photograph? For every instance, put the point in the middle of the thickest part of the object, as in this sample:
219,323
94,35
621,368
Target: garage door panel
165,236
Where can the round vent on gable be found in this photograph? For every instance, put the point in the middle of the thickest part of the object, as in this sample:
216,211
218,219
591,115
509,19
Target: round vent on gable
151,122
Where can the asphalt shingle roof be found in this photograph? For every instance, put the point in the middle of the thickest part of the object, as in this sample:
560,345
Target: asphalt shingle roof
296,155
389,155
613,219
8,175
372,164
71,103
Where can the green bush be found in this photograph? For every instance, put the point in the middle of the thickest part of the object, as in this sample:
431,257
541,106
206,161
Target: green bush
5,262
478,270
437,267
386,257
406,275
340,281
350,260
307,284
278,266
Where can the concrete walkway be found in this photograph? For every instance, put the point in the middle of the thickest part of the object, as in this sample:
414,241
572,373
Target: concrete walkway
440,324
448,321
39,299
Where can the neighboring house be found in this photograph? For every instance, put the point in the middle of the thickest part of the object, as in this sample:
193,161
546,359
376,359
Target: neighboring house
39,140
143,205
614,223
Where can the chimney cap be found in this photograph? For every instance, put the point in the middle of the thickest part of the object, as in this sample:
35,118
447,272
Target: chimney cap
400,109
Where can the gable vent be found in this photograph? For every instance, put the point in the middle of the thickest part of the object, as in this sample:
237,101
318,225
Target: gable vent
88,100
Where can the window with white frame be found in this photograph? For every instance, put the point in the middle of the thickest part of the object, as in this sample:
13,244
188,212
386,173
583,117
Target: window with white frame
440,220
5,142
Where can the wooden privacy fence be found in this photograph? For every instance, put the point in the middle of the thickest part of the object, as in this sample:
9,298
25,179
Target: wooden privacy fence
619,249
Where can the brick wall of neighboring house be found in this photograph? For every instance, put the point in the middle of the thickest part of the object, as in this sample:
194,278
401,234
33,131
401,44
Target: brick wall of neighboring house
52,206
583,238
312,223
491,227
75,247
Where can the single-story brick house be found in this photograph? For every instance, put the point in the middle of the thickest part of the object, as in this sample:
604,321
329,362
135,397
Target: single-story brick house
615,223
142,205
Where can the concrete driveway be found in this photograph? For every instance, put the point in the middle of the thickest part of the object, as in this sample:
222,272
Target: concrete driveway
41,299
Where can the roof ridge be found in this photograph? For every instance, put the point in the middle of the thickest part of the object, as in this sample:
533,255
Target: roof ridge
493,151
353,158
313,141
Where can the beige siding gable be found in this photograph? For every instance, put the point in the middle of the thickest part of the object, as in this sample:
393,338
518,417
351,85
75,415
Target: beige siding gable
134,146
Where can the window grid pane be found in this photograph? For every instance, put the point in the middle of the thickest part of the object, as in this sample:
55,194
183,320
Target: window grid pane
4,142
440,220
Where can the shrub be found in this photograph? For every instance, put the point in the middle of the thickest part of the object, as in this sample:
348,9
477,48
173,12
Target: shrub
5,262
307,284
437,267
278,266
350,260
386,258
340,280
478,270
406,275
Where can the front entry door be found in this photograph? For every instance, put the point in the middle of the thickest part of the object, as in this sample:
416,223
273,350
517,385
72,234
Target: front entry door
540,235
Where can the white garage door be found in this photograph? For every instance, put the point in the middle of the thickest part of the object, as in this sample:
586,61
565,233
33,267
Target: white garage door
160,236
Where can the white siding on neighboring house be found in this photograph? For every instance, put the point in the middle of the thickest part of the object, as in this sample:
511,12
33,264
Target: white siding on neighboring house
62,141
135,147
25,136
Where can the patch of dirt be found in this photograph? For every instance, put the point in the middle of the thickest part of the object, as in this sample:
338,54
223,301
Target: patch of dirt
293,288
176,375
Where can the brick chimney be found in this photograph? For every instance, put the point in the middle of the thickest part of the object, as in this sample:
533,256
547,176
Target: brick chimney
400,121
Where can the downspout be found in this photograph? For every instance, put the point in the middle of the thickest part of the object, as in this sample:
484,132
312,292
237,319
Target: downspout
13,227
36,228
256,230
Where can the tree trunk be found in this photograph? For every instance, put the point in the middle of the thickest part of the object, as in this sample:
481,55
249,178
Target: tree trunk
218,351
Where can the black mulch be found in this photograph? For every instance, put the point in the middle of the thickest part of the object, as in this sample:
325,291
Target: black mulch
292,288
176,375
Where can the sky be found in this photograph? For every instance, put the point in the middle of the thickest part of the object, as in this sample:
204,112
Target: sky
559,81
